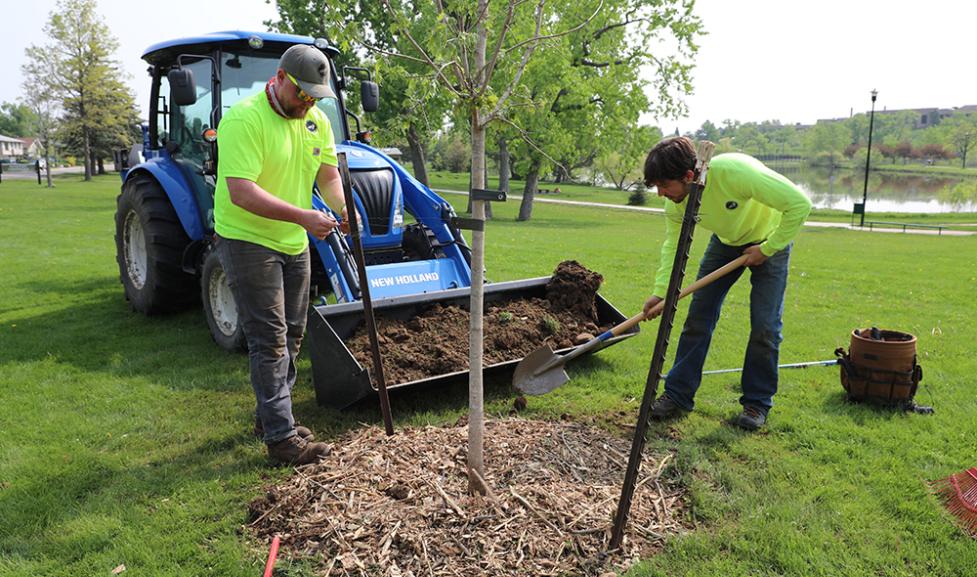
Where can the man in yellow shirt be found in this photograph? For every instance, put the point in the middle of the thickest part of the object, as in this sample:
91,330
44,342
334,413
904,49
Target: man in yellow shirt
273,146
751,210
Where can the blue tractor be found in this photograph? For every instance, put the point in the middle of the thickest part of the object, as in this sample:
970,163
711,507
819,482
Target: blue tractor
165,217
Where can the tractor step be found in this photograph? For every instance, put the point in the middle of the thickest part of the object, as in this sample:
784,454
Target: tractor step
340,380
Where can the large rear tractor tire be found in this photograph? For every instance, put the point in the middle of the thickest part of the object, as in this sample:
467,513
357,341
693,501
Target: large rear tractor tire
149,245
220,308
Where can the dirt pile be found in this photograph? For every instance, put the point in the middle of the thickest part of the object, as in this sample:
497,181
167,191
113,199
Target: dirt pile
399,506
573,288
435,342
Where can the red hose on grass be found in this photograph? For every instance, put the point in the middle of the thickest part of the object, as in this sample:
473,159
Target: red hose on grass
272,555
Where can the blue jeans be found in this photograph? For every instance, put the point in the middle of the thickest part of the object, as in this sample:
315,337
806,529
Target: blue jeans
271,290
759,379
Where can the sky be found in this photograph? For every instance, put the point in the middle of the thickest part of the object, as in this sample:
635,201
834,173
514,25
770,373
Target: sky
761,59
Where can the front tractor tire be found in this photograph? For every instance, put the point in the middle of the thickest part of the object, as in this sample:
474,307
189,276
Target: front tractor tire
220,308
149,245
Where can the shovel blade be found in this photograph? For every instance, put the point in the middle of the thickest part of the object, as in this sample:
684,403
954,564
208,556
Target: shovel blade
527,382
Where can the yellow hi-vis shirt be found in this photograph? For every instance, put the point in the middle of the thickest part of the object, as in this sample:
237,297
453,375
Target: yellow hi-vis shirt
744,202
282,156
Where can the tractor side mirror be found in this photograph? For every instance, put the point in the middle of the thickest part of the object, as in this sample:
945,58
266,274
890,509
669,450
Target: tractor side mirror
183,90
369,95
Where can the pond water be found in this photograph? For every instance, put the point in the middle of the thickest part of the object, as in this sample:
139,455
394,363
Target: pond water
887,192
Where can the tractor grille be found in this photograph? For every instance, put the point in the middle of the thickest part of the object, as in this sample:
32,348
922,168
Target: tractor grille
376,190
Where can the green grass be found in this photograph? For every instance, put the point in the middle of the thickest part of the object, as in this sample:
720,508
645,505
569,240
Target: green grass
125,439
951,168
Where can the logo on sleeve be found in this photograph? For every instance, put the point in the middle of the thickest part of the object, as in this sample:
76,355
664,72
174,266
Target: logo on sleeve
731,205
316,151
311,126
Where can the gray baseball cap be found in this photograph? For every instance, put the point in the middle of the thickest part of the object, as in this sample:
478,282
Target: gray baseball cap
310,67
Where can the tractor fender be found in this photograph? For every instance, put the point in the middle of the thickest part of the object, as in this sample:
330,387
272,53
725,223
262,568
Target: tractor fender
178,191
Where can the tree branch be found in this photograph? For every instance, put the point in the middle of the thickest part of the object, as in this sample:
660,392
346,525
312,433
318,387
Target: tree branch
528,52
490,68
537,38
439,71
525,137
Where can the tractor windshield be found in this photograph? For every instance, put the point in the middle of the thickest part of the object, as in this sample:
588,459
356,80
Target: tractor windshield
243,74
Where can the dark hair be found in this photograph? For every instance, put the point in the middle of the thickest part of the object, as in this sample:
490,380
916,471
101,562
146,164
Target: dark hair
670,159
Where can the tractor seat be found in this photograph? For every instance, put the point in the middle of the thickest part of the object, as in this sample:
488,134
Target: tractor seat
376,190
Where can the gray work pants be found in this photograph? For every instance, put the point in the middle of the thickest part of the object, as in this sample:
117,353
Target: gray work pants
272,294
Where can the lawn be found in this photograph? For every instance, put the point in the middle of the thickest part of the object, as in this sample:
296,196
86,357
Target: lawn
126,440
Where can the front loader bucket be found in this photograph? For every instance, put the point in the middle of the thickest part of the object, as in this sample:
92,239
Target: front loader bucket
340,380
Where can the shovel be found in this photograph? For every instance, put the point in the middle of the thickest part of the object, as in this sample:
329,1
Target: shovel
541,371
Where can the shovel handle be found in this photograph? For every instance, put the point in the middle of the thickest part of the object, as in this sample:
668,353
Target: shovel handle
709,278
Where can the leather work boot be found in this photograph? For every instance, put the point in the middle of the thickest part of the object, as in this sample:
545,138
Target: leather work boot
751,419
297,451
304,432
665,408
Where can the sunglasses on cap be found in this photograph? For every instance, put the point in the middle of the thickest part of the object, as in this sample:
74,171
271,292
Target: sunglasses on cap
303,95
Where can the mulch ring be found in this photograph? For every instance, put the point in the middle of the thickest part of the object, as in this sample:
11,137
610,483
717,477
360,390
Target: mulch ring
399,506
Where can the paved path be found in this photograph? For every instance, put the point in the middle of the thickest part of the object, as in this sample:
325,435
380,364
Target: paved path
931,232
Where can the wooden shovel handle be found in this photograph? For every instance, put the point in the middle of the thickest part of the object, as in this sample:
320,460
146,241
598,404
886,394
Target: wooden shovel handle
719,272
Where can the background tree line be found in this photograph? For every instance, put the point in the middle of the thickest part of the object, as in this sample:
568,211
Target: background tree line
894,138
75,97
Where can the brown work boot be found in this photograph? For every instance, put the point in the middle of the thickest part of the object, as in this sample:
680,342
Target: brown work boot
304,432
297,451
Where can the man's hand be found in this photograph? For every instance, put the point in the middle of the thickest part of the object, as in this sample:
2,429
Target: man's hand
344,225
319,224
754,256
649,305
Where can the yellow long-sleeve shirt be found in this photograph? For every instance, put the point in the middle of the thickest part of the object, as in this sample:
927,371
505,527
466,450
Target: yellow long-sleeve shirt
744,202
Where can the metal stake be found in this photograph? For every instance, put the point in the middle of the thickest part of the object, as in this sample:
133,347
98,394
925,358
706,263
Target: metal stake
371,324
694,199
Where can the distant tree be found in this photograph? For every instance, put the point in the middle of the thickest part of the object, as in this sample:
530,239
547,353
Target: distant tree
961,131
903,150
887,151
750,140
850,151
78,66
16,120
825,142
707,131
624,168
43,125
933,151
451,153
639,196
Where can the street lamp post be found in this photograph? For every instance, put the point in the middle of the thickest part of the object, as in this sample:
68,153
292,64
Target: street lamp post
868,157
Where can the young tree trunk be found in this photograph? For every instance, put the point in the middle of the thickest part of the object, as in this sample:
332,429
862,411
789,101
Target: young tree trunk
503,165
476,410
101,165
47,166
529,192
87,148
417,154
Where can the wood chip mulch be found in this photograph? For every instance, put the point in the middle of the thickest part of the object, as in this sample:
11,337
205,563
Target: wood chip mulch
399,506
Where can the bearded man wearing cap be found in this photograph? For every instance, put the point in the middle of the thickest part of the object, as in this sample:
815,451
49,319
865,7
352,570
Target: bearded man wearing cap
273,146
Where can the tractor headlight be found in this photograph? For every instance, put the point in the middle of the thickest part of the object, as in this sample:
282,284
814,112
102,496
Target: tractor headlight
399,215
